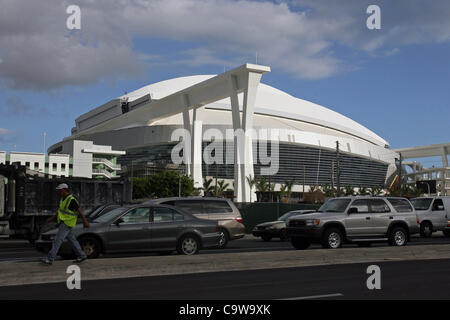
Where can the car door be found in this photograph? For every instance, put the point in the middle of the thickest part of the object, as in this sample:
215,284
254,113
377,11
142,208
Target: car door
359,224
438,214
166,224
381,216
132,233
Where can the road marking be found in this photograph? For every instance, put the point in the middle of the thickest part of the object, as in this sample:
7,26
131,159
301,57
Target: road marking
315,297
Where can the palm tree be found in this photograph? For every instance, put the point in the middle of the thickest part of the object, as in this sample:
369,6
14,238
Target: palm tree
221,188
289,185
349,190
251,182
208,188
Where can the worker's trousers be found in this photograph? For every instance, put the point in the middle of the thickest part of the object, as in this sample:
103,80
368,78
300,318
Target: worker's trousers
65,232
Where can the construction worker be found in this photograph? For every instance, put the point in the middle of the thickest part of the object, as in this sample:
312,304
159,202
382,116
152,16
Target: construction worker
67,219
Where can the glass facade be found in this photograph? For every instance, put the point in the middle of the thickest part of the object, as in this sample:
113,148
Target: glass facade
304,164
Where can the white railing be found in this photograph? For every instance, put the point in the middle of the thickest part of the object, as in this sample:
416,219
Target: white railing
104,172
108,163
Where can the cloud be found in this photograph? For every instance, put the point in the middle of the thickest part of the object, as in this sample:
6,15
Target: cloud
16,107
7,136
299,37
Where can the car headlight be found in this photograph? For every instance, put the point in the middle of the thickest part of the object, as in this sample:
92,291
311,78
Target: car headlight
312,222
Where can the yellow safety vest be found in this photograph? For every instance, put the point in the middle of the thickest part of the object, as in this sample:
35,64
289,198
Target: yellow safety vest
66,215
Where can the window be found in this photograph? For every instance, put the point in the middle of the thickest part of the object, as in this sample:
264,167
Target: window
161,214
36,165
138,215
438,205
421,203
177,216
379,206
27,164
63,167
54,167
191,206
334,205
219,206
401,205
362,205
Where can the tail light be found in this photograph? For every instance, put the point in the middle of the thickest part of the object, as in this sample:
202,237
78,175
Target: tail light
217,228
417,219
239,219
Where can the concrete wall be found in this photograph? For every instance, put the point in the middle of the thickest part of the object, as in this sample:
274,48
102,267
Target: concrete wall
36,161
82,162
59,164
2,157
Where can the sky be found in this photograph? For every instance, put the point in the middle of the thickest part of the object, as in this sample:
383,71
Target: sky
393,80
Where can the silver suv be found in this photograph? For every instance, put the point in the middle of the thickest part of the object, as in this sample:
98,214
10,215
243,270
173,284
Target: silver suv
219,209
360,220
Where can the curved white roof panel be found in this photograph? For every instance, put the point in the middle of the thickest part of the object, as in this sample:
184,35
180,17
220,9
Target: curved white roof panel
269,102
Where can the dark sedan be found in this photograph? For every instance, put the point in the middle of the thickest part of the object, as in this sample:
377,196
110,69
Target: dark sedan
159,228
276,229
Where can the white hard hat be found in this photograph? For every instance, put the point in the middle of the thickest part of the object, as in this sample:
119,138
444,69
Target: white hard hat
62,186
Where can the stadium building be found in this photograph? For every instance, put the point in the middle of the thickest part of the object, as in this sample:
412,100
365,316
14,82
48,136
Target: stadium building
143,122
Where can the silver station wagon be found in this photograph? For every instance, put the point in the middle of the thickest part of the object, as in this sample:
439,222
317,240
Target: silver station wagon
160,228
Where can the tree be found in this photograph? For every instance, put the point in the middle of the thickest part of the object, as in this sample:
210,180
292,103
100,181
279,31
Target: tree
221,188
289,185
349,191
208,187
251,182
163,184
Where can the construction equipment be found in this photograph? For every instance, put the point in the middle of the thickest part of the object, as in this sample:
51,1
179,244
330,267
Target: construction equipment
28,199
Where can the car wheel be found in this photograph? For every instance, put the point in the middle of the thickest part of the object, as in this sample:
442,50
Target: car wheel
398,237
188,245
426,229
224,238
332,238
446,233
283,235
90,246
300,243
266,238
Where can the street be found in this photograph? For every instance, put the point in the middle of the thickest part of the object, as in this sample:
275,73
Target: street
399,280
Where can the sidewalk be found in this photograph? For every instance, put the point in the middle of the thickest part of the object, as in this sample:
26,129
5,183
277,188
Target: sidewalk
16,273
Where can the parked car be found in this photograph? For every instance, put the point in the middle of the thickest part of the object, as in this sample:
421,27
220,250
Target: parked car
433,213
360,220
101,209
151,227
218,209
276,229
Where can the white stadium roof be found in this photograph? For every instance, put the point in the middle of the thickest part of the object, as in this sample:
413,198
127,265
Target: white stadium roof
288,110
273,109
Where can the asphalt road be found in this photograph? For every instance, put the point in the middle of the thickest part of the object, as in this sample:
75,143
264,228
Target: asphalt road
399,280
18,250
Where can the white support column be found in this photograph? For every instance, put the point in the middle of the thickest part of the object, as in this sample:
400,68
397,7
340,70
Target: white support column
188,139
196,136
237,125
444,157
251,88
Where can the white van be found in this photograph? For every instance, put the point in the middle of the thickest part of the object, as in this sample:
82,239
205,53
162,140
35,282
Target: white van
433,213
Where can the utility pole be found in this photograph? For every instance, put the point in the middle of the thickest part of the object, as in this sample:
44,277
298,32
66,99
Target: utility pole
338,172
179,182
304,181
400,172
332,174
45,134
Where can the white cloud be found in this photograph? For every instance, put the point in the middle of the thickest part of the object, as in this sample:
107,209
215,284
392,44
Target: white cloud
300,37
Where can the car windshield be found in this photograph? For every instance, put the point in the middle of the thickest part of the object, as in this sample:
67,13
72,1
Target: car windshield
111,215
287,215
335,205
421,203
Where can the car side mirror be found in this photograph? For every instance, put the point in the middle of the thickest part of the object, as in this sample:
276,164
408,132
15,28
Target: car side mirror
352,210
119,221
